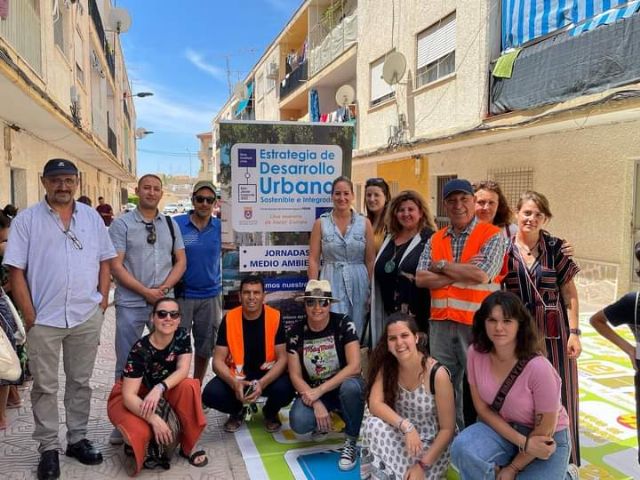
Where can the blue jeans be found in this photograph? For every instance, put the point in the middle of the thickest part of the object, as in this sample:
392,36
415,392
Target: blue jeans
348,400
478,449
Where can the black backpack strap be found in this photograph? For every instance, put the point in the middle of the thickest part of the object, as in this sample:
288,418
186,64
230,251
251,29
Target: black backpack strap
432,377
173,237
515,372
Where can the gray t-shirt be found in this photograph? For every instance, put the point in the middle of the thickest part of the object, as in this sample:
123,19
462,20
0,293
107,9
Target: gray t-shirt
149,263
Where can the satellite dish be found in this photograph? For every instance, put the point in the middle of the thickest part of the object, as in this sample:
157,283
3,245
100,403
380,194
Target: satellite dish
345,95
394,67
240,91
119,20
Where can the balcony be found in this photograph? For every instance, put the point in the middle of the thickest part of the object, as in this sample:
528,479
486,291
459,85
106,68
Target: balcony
294,80
112,141
21,29
335,33
94,13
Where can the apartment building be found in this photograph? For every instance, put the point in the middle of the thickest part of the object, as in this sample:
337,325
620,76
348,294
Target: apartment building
65,92
560,116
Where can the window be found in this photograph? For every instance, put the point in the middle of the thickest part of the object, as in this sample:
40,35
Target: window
380,90
513,182
60,14
79,49
259,86
436,51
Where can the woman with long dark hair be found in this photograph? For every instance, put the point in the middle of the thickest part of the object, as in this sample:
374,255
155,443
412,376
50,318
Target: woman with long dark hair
522,429
342,240
377,196
410,225
492,206
412,407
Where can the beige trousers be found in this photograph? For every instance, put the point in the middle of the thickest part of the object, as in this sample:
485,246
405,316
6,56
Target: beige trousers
79,348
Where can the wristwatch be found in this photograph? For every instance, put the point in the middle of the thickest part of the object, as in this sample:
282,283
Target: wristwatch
440,265
575,331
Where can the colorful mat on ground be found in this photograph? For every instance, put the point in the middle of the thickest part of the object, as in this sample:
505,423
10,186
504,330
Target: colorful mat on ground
607,420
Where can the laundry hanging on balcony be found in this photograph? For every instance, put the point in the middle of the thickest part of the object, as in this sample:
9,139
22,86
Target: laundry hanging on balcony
243,104
4,9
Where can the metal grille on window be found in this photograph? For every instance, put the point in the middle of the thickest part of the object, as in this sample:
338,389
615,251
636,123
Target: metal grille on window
359,197
394,188
441,216
513,182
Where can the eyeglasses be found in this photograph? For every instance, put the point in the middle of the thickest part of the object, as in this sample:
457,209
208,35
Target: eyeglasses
72,236
151,228
59,182
202,199
312,302
161,314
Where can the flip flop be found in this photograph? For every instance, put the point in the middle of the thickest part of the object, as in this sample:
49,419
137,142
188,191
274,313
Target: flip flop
192,458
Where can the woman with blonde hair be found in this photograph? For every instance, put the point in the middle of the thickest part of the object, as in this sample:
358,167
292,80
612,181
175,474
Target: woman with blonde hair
409,225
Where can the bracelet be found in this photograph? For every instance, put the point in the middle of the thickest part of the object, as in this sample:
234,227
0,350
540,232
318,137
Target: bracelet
409,429
164,386
526,444
512,466
400,423
521,446
424,466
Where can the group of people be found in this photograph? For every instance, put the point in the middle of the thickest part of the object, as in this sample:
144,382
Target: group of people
472,329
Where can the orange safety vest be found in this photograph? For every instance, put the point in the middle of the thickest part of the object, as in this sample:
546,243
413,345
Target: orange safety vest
235,340
459,301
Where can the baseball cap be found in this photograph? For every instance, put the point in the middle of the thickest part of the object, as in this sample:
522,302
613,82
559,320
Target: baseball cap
457,185
59,166
204,184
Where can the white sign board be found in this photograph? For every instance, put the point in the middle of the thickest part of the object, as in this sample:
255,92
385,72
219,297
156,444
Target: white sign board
269,258
279,188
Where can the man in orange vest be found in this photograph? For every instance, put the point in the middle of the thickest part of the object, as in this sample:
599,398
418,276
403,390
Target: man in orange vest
250,360
459,265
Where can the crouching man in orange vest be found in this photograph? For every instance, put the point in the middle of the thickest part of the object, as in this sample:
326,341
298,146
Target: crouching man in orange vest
459,265
250,360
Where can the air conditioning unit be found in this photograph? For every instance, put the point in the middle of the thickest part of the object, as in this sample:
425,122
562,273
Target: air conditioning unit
273,70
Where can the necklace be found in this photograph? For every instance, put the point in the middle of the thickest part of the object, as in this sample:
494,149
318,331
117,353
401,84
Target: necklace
528,251
390,265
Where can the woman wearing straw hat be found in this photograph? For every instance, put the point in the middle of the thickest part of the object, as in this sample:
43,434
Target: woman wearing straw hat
324,366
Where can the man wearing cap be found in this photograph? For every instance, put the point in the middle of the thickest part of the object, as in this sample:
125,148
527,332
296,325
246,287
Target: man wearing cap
459,265
250,360
199,292
58,254
150,261
324,366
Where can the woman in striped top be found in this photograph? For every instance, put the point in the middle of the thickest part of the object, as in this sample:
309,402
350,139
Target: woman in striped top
541,274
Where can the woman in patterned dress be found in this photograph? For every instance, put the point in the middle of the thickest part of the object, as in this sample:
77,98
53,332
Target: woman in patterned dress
343,240
541,274
412,421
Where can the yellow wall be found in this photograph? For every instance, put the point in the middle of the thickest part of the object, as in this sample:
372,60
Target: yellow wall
404,172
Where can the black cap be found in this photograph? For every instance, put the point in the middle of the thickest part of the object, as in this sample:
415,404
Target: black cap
457,185
59,166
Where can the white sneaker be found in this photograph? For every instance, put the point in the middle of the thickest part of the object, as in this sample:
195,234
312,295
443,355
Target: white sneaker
349,455
116,437
573,471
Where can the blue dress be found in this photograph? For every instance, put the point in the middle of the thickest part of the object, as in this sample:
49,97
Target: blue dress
343,264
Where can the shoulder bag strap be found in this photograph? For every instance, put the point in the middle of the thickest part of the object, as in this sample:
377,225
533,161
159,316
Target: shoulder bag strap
508,383
173,238
432,377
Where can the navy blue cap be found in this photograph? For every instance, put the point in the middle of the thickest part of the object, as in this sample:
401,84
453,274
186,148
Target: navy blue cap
457,185
59,166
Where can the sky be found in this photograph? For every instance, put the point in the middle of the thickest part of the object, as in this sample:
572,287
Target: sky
178,50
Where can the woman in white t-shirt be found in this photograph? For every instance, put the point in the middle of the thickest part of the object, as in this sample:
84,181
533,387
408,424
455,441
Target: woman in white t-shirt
525,435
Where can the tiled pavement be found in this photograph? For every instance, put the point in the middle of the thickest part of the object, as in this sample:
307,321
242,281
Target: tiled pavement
19,455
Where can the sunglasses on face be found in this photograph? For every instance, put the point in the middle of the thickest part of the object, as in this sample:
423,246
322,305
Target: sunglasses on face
72,236
312,302
161,314
152,237
202,199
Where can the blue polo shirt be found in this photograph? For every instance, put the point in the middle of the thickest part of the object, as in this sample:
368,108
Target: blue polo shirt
203,277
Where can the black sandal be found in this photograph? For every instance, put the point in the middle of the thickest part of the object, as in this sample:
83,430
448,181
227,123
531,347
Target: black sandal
192,458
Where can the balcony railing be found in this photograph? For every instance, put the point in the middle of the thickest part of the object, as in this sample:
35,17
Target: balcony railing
112,141
328,40
294,80
22,30
94,13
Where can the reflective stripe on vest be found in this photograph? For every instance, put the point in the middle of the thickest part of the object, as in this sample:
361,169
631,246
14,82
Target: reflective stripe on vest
235,339
459,301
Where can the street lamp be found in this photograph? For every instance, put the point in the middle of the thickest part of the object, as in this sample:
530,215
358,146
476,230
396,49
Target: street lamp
139,94
142,132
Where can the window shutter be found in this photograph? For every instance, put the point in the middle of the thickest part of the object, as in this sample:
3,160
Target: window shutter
437,41
379,88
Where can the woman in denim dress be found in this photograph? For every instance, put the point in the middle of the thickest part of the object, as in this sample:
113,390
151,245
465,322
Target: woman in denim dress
343,240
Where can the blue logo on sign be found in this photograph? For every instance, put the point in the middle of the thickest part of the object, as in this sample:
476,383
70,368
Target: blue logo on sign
247,157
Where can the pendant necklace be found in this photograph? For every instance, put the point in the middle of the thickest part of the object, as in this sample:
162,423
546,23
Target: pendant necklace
390,266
